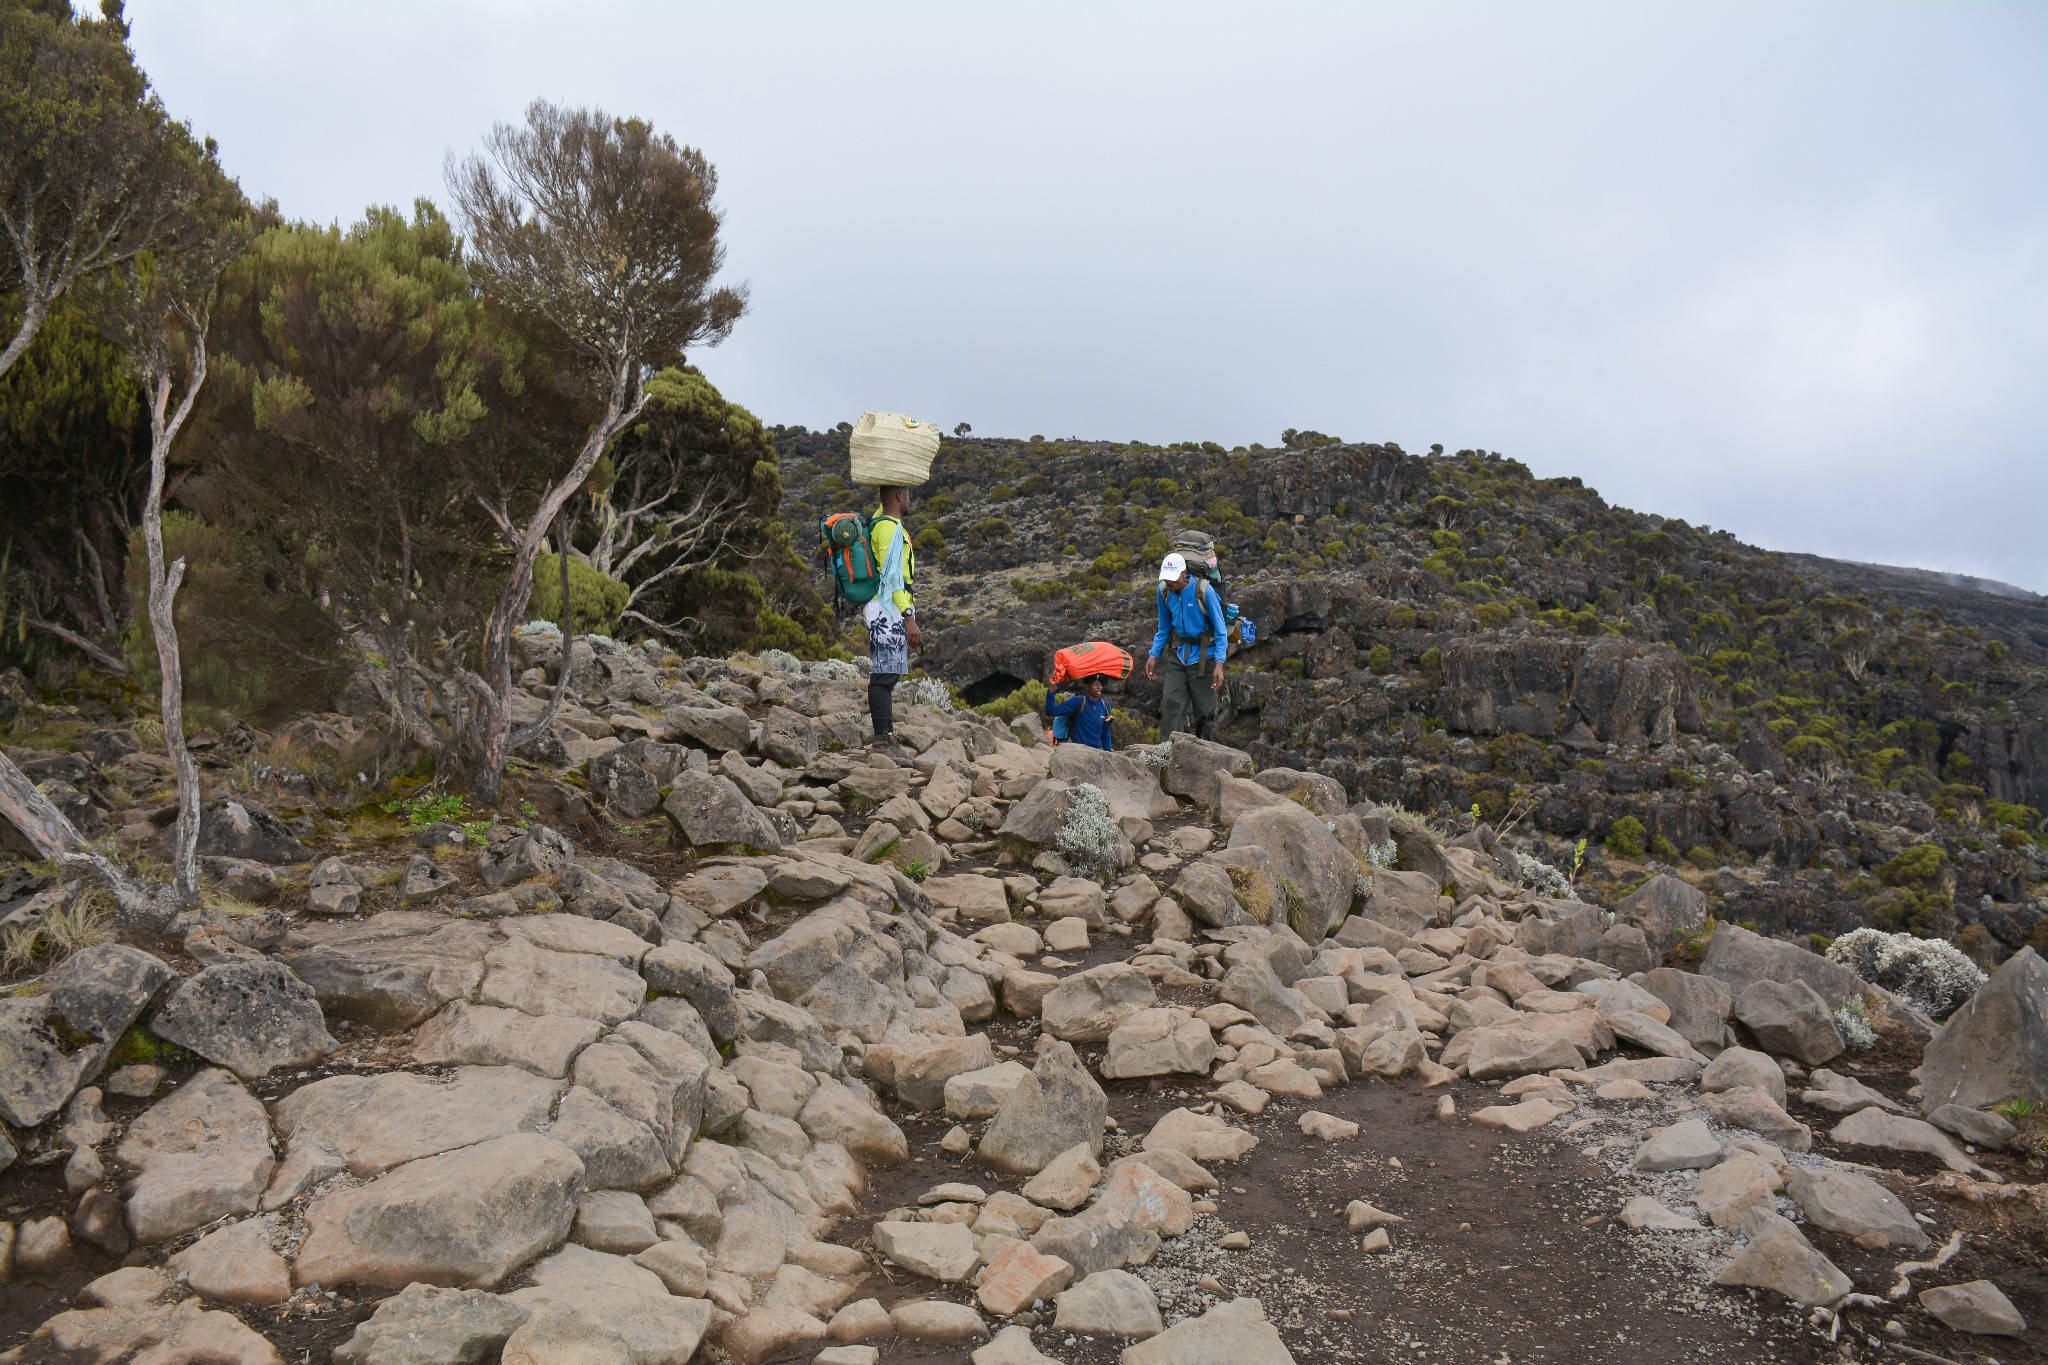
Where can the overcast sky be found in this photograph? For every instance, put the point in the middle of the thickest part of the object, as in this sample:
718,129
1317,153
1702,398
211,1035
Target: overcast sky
1776,267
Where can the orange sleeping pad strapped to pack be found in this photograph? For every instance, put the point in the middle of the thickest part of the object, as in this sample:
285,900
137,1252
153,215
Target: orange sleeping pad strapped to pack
1096,658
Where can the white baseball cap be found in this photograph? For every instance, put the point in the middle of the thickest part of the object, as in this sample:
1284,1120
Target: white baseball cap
1172,567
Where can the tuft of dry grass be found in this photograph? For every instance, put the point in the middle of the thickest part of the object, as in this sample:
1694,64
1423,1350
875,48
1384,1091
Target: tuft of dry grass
57,933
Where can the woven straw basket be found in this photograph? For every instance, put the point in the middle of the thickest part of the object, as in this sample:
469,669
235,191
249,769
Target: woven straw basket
891,450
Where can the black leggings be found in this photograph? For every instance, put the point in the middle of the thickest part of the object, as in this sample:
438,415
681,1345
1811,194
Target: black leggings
882,702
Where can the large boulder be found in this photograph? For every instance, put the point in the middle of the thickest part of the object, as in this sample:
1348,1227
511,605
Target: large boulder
1159,1042
394,969
709,811
1700,1005
1057,1107
1317,875
1194,765
465,1218
1662,907
1405,902
199,1155
1131,788
1791,1020
1738,958
251,1016
1995,1048
54,1042
1233,1333
1088,1005
243,829
366,1125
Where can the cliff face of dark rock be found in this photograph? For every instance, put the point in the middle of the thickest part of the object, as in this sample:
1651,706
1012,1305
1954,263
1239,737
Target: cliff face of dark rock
1448,631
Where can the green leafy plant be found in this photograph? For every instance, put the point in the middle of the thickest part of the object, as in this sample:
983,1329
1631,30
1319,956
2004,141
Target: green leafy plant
429,808
2019,1110
1578,862
477,832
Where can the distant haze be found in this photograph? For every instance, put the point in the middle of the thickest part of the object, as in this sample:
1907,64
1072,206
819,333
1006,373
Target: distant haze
1776,267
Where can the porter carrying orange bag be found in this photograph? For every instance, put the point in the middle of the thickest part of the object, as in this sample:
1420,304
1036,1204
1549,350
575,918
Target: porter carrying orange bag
1097,658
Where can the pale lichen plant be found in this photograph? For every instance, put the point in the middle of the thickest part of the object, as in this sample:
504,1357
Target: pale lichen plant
1854,1023
1089,840
1932,976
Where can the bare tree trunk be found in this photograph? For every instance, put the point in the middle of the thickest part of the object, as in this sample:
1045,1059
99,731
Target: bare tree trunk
527,734
54,837
33,310
163,590
494,699
98,653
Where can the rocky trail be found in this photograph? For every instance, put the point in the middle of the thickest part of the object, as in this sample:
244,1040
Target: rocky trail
740,1045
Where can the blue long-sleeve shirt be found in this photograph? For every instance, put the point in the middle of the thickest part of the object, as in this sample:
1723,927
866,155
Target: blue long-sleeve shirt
1087,719
1191,613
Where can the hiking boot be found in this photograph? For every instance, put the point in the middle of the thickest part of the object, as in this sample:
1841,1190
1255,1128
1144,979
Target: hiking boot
888,748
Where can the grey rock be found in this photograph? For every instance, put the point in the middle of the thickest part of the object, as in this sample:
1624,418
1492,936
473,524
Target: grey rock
1747,1107
1112,1303
1131,788
1978,1306
1158,1042
1995,1048
834,1114
1738,958
617,1221
1791,1019
1317,875
1205,891
542,981
1853,1205
1406,902
367,1125
1194,765
624,785
612,1295
617,1152
394,969
1057,1107
1233,1333
243,829
710,811
1839,1094
425,880
1979,1127
1690,1145
1779,1258
1873,1127
938,1251
427,1325
1740,1066
686,970
721,729
249,1016
467,1217
1252,985
515,855
1700,1005
487,1035
1663,907
1087,1006
200,1154
102,989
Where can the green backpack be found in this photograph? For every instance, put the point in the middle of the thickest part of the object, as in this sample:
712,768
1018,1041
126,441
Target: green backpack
849,544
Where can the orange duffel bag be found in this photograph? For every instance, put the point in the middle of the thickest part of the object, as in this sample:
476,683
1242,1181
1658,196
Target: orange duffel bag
1096,658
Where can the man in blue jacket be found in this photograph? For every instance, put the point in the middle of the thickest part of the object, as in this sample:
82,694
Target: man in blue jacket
1191,622
1087,715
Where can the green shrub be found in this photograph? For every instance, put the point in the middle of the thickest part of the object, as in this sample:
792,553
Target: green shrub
1028,699
1664,849
1380,659
1918,867
930,543
1625,838
1702,857
599,599
248,643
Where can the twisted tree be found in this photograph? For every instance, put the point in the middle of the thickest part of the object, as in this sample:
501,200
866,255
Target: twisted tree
604,231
